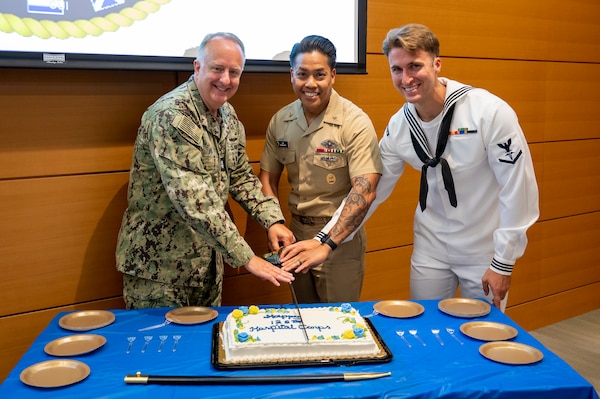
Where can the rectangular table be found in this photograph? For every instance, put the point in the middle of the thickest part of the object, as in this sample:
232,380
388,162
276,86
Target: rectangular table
431,371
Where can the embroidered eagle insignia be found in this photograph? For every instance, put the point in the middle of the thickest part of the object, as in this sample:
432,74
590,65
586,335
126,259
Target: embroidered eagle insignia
509,155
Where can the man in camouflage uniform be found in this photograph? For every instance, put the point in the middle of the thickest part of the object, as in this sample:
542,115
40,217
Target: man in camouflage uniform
190,155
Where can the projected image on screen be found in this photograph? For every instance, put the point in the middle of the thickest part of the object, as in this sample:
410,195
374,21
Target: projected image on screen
63,19
61,31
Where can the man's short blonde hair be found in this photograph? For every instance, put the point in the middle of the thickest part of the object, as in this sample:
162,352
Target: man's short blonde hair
412,37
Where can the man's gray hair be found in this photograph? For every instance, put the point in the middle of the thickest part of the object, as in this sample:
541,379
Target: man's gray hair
226,35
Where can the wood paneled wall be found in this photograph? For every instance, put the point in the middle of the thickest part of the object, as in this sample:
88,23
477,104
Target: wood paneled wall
66,140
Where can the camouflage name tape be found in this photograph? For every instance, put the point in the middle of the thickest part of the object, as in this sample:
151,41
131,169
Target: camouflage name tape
48,18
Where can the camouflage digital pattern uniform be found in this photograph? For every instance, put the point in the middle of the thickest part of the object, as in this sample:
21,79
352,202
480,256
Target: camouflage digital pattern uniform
176,230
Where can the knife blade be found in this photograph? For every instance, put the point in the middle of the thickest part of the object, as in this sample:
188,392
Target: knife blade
295,299
273,258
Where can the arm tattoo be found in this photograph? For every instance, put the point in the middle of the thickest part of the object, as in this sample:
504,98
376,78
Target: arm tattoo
357,204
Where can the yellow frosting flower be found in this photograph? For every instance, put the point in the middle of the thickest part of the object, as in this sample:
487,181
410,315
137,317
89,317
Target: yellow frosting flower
237,314
253,309
348,334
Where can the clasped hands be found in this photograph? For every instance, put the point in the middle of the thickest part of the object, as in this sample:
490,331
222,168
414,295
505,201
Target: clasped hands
302,255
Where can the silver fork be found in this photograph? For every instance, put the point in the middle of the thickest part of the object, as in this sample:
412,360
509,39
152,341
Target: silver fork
414,334
130,340
147,338
401,335
162,338
176,338
373,313
436,332
164,323
451,332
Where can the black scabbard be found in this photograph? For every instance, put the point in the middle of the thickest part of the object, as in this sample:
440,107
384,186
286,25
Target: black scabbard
250,380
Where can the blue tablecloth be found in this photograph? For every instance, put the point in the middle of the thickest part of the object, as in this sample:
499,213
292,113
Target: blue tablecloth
431,371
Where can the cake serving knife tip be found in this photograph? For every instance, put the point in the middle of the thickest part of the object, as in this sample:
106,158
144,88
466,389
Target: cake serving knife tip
295,298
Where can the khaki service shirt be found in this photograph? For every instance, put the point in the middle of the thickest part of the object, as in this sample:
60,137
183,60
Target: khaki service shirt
321,159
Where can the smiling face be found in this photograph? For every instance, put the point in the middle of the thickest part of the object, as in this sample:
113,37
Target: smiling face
312,81
414,75
217,74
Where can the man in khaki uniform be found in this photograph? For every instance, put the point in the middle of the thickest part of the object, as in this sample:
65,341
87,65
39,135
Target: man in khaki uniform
189,156
329,147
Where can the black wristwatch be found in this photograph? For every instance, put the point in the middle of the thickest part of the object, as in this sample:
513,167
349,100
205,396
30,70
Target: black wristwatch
326,239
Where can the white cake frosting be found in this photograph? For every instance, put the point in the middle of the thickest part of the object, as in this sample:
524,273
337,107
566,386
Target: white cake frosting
251,334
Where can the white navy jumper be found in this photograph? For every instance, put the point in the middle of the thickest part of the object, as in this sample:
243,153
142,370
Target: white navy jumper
493,176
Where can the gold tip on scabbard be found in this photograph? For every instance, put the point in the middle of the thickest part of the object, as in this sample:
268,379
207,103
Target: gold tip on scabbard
136,378
365,376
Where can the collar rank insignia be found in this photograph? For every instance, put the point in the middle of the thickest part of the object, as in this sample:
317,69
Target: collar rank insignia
509,155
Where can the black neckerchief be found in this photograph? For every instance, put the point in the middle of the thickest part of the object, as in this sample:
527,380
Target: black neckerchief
421,147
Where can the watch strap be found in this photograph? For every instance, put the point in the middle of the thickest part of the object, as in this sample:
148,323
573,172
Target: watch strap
326,239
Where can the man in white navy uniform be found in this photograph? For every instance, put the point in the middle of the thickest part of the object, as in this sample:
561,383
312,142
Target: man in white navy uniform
478,192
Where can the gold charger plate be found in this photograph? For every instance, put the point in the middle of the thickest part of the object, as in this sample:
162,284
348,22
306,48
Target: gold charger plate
86,320
55,373
510,352
464,307
74,345
399,309
488,330
191,315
